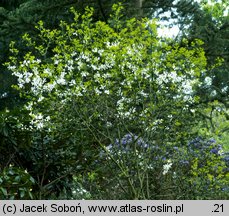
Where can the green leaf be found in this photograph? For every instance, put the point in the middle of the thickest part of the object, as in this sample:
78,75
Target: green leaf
22,193
4,191
32,179
17,179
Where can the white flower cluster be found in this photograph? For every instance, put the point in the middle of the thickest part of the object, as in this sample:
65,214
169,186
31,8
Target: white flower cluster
125,72
165,78
184,85
167,167
3,95
39,121
208,81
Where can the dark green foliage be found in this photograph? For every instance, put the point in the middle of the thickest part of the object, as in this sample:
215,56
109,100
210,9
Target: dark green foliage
212,27
15,183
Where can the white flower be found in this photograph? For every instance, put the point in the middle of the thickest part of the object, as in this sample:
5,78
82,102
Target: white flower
187,88
224,90
49,87
94,67
69,65
27,77
150,167
56,62
37,82
10,67
40,98
29,106
100,52
208,81
85,57
109,124
129,51
40,125
38,61
97,76
170,116
61,80
97,91
158,122
72,83
108,43
188,98
143,94
95,50
4,95
107,92
35,71
74,54
39,116
25,63
213,93
173,76
80,65
48,71
166,167
84,73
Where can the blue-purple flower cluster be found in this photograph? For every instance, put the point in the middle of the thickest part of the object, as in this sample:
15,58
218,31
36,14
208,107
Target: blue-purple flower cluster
130,139
196,148
199,145
201,148
128,142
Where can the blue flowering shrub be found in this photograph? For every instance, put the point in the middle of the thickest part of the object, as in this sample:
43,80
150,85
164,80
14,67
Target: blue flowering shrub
201,168
136,169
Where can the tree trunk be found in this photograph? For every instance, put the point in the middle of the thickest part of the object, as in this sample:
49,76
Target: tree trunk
138,6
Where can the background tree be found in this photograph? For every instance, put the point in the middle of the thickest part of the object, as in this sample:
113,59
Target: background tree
211,26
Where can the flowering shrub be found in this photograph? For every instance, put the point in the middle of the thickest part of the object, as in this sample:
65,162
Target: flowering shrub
202,166
125,65
140,170
87,83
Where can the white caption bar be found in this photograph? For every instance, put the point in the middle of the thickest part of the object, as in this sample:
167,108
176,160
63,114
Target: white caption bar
114,208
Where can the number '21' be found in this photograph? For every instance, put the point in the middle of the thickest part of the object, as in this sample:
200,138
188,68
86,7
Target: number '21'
218,208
